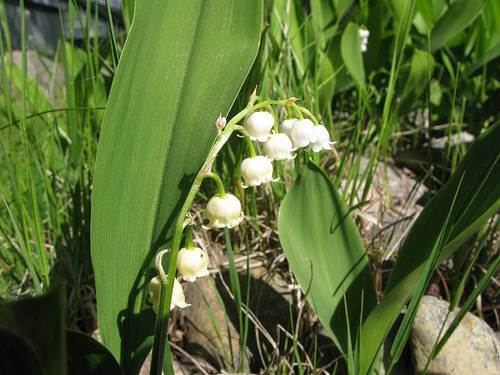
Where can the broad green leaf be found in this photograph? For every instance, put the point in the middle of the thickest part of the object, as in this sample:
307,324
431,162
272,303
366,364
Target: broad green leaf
478,198
32,334
350,48
87,356
326,254
457,17
182,65
128,11
342,6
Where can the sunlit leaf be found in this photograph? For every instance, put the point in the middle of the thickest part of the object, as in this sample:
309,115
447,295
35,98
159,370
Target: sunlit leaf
457,17
182,65
326,253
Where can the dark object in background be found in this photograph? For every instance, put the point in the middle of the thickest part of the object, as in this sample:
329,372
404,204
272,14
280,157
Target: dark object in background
43,22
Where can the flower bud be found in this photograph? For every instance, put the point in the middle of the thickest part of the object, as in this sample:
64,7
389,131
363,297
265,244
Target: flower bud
256,170
303,133
178,298
192,263
286,126
322,141
224,211
258,125
278,147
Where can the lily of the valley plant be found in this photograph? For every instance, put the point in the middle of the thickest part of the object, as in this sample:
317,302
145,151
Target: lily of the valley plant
258,122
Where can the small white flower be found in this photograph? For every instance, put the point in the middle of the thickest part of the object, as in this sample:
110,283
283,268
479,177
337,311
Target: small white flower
192,263
223,212
258,125
256,170
364,33
286,126
363,37
178,298
322,141
279,147
303,133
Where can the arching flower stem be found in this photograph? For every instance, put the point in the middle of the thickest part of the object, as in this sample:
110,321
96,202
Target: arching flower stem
218,182
166,289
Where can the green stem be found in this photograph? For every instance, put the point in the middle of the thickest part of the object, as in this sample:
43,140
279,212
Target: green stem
251,148
160,337
273,112
236,290
189,237
220,186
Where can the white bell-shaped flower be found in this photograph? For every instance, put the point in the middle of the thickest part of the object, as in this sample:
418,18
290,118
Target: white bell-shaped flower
178,298
322,141
286,126
192,263
278,147
258,126
256,170
223,212
303,133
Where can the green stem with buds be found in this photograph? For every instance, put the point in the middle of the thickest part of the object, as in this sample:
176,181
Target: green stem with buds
166,288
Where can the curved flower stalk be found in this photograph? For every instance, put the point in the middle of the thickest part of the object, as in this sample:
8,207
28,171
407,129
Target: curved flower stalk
223,210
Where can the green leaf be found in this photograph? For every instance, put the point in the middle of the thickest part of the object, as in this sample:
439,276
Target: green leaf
457,17
350,48
87,356
32,334
478,198
492,54
182,65
326,254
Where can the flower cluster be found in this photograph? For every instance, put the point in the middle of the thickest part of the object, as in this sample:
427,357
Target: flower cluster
224,210
291,135
363,36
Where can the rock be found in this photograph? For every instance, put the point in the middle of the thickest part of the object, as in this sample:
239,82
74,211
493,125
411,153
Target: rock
208,333
472,348
452,140
393,204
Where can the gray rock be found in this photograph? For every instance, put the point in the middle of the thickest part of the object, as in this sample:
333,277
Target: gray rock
209,334
472,348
